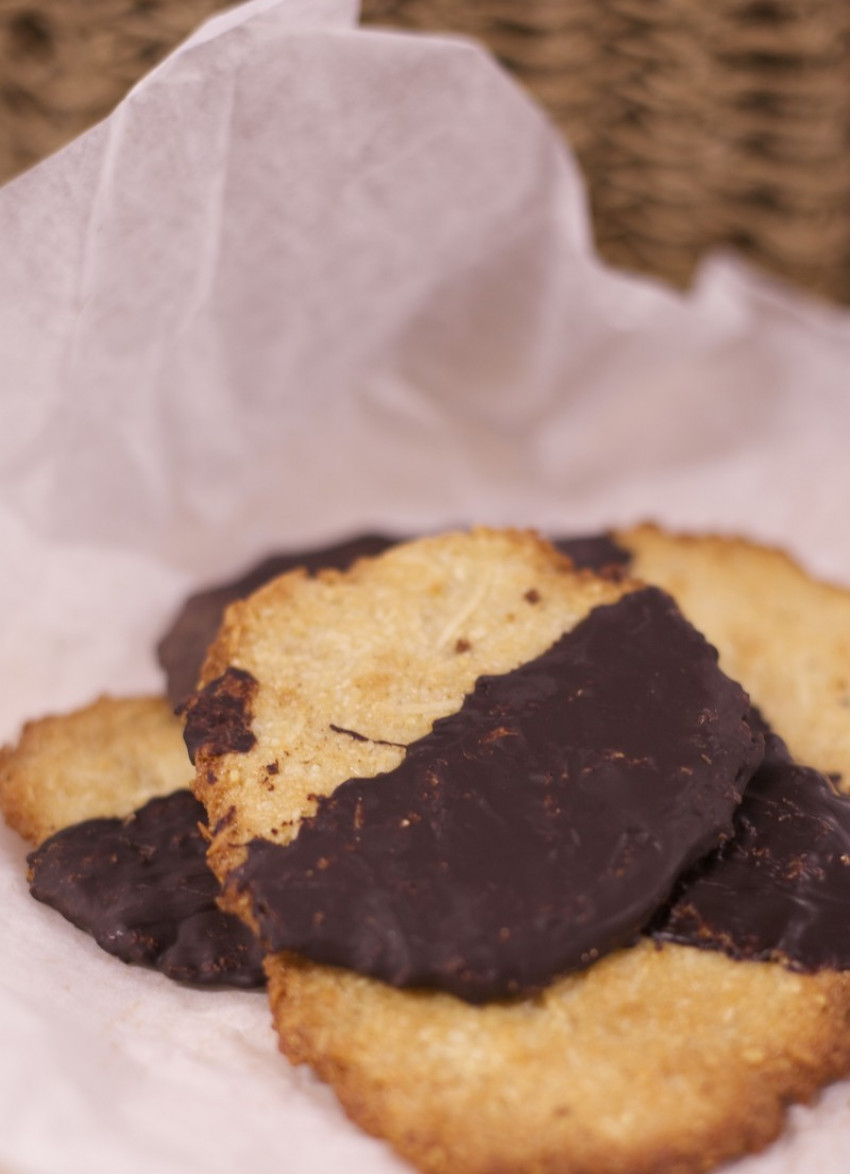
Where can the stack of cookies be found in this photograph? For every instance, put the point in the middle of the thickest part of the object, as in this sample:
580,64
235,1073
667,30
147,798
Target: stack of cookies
538,881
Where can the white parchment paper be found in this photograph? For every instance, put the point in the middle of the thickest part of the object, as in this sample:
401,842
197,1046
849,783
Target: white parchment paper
305,280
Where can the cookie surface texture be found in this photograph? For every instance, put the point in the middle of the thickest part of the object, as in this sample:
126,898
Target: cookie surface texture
104,760
784,635
653,1061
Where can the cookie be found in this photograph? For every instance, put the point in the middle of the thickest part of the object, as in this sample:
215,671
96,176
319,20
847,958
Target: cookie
580,1077
656,1057
533,830
314,681
121,853
652,1061
104,760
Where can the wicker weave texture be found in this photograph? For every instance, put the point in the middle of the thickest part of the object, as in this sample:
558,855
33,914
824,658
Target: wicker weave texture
698,122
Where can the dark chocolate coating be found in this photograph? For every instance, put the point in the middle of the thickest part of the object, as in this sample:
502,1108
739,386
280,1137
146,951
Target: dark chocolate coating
780,889
218,717
141,887
532,831
595,552
182,649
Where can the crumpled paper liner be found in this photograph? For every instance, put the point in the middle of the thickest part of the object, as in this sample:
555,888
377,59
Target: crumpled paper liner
309,279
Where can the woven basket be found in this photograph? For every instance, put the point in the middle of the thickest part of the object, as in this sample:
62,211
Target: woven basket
697,122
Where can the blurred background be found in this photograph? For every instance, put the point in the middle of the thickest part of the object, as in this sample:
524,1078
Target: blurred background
697,124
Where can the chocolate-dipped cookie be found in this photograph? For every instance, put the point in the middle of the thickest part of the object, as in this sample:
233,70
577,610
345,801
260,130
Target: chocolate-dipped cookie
532,831
120,854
